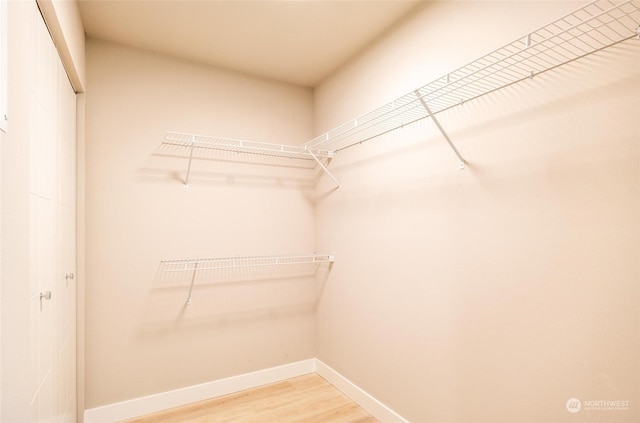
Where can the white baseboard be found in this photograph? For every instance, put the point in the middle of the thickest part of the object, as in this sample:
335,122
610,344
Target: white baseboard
150,404
359,396
153,403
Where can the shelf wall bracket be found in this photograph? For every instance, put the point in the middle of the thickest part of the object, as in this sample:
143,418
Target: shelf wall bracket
193,279
442,131
186,179
322,166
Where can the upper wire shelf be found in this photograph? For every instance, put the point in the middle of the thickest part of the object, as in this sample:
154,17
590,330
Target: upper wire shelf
188,269
192,143
243,146
589,29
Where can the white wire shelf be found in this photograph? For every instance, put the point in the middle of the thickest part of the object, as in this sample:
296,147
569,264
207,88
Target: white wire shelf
191,267
589,29
192,143
239,262
243,146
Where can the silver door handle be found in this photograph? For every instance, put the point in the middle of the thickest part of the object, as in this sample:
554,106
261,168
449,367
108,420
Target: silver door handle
45,295
69,276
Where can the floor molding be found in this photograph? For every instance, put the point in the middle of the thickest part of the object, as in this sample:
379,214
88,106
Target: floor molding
150,404
370,404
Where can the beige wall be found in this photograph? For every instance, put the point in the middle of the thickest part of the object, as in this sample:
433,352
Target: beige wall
496,293
140,337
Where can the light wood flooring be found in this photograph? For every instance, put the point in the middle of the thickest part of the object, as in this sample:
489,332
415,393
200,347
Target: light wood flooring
308,399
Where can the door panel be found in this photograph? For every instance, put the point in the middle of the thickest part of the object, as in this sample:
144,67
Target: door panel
66,250
52,184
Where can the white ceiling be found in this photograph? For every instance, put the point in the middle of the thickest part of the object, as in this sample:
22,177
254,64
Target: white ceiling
296,41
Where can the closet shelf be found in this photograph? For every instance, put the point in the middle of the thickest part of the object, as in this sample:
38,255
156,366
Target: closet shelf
596,26
193,266
192,142
182,265
243,146
587,30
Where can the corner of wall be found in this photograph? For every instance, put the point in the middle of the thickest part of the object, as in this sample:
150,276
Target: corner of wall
66,28
80,255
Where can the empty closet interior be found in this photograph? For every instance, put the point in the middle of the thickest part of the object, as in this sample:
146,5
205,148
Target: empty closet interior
446,226
477,218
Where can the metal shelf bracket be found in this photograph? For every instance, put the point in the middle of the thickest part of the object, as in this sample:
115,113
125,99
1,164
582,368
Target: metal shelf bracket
186,179
193,279
442,131
324,168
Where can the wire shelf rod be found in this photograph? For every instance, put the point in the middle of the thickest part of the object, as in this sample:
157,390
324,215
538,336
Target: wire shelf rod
595,26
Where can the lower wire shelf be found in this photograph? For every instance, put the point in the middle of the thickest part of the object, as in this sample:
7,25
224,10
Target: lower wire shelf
193,266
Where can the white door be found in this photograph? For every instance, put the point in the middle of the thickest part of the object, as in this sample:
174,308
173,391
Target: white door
65,346
52,231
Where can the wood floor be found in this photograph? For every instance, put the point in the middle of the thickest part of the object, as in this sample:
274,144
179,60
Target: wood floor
308,399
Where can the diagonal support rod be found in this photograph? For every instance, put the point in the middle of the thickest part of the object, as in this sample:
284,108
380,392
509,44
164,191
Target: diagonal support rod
322,166
186,179
193,279
442,131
